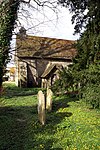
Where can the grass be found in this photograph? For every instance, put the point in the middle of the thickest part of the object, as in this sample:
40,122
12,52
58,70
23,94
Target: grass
70,125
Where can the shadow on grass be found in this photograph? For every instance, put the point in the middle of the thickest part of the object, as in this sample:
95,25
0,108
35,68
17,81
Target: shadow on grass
63,102
10,90
21,130
20,92
19,125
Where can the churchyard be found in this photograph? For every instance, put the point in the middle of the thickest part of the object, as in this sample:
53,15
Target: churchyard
68,123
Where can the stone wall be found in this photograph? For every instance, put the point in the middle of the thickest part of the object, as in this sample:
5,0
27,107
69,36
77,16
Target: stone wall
22,74
28,72
31,74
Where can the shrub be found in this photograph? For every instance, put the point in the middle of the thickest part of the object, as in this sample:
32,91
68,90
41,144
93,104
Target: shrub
91,95
65,82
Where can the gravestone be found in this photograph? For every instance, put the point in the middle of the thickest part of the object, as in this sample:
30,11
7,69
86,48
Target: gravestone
49,99
41,107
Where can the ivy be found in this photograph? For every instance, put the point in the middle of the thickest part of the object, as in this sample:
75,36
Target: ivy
8,15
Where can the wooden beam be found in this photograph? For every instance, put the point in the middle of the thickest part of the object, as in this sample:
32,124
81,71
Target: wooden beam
45,58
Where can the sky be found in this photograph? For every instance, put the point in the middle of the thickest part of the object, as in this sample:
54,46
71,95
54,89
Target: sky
45,22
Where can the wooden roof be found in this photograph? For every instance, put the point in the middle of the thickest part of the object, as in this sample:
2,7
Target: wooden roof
43,47
49,69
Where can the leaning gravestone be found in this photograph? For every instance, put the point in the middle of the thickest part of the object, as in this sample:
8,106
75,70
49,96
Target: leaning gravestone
49,99
41,107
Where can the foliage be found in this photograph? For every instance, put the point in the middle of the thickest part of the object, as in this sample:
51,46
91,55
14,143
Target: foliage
8,15
70,125
86,65
86,81
84,13
91,89
65,82
91,95
89,78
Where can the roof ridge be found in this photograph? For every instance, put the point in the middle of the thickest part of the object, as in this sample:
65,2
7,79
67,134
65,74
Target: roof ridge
46,37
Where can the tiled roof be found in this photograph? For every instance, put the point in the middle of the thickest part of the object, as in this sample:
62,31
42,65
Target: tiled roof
33,46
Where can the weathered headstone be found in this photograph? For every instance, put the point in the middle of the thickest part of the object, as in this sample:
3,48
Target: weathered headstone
49,99
41,107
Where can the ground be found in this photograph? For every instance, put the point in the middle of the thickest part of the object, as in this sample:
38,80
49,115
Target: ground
70,126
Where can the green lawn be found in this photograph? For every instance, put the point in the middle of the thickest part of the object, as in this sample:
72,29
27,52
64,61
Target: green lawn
70,126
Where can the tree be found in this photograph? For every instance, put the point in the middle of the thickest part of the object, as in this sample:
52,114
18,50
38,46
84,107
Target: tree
8,15
86,14
86,65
